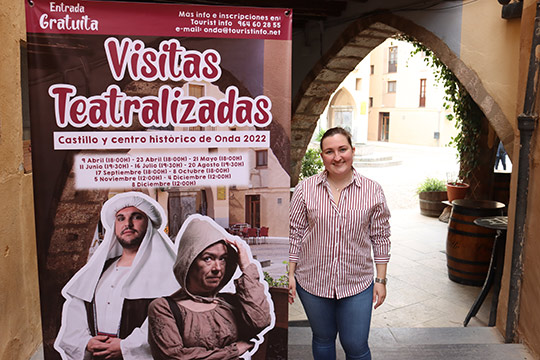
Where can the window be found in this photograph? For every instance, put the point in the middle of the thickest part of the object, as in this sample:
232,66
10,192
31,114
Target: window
261,158
342,116
392,59
391,86
196,90
358,84
370,101
422,93
372,69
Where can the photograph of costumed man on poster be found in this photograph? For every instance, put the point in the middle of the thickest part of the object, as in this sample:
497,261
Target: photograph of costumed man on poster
105,313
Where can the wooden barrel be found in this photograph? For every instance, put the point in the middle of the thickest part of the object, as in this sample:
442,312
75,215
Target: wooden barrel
431,202
469,246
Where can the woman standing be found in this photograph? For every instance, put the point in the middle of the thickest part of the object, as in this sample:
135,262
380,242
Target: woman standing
337,218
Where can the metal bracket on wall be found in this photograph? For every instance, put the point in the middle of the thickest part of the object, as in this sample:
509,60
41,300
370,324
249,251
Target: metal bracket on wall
512,10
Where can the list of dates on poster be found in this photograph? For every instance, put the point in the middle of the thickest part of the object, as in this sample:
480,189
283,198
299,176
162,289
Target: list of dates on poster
163,170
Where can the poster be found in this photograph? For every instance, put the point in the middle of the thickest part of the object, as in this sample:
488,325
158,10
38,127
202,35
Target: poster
187,105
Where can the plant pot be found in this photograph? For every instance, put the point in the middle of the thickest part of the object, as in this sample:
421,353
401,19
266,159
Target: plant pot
456,191
275,341
280,297
431,202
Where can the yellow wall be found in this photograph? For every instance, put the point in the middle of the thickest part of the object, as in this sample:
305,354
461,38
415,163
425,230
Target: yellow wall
529,316
504,74
19,298
411,126
490,48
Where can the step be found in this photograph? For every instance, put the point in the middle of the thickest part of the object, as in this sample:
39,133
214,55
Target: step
264,263
472,343
382,163
362,149
373,157
375,160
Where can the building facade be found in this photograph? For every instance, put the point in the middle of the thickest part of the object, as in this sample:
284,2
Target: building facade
391,96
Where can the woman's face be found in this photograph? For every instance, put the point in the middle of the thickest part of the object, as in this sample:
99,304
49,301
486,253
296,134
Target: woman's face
207,271
337,155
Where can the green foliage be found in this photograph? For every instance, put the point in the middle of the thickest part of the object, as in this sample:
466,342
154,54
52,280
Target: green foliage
431,184
467,115
319,136
311,164
282,281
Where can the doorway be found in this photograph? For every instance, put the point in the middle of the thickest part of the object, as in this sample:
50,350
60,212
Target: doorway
384,126
253,210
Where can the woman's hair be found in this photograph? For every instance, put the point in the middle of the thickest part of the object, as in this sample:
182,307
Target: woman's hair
335,131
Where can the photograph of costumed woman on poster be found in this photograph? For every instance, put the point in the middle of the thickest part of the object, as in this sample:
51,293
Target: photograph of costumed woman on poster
203,319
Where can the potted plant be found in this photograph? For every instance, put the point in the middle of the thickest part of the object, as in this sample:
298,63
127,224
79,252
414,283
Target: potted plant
279,290
275,341
431,194
456,189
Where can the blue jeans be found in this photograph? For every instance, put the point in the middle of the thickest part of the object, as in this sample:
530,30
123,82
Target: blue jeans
350,317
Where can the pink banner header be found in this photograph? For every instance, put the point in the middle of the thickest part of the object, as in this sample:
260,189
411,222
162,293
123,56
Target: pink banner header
145,19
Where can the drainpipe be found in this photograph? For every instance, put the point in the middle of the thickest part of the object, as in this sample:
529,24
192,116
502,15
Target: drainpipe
526,125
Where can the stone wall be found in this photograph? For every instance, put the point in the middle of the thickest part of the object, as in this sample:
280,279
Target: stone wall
19,299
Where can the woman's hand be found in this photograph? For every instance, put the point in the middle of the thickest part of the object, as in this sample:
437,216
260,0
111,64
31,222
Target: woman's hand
292,289
244,346
292,282
379,294
243,257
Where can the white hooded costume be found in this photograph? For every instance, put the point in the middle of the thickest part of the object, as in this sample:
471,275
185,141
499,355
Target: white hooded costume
150,276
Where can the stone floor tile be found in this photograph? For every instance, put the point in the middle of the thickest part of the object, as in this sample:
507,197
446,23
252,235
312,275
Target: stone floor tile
408,316
448,335
394,283
406,296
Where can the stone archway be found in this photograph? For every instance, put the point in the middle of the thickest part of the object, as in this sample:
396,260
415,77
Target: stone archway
350,48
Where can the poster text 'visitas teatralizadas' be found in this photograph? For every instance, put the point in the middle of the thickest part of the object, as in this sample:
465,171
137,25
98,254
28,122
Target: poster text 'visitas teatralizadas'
171,107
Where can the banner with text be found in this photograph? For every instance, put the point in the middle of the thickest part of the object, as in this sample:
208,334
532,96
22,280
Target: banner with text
184,108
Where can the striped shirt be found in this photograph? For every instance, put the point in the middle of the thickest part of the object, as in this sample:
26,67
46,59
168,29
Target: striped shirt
332,244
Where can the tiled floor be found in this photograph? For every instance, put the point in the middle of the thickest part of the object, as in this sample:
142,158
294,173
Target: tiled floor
419,291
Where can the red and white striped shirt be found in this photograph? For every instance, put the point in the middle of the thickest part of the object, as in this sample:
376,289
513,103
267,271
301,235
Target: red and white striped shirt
332,244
